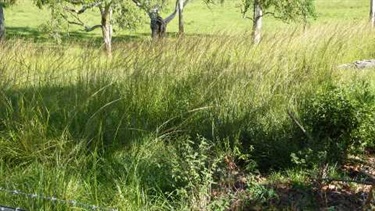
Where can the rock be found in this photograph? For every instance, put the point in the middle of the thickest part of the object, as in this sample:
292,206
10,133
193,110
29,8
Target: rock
361,64
365,64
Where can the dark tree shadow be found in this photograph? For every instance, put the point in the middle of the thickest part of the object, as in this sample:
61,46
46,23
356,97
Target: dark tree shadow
83,119
24,33
84,38
36,35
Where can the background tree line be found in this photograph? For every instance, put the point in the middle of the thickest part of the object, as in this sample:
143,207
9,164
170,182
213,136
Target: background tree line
125,14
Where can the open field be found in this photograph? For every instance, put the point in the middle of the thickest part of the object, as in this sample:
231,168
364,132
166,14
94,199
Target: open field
192,123
199,18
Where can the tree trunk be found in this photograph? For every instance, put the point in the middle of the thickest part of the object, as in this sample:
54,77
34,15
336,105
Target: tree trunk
257,22
107,31
372,13
2,23
157,24
180,17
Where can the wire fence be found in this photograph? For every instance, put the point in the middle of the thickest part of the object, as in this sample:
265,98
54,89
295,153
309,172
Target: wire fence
51,199
5,208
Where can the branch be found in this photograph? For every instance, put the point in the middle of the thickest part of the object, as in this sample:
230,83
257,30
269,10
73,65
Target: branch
271,13
140,5
81,23
75,2
167,19
84,7
372,178
171,16
349,180
299,125
244,16
261,16
92,28
357,160
185,2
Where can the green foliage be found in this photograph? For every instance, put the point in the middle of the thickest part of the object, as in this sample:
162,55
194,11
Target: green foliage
298,10
5,3
207,176
259,193
284,10
40,3
339,122
125,13
364,99
194,170
198,19
65,14
55,26
76,125
128,16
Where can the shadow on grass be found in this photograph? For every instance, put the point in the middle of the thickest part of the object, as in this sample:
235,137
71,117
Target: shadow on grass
307,196
83,120
36,35
22,32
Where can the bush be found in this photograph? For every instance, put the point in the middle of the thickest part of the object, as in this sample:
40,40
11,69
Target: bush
193,171
338,121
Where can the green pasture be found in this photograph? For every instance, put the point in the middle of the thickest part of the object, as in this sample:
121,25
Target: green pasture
177,124
24,19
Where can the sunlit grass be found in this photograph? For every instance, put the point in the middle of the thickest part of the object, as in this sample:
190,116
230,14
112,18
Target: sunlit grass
24,19
79,126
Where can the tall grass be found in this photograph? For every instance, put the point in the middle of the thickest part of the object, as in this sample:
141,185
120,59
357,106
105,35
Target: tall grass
77,125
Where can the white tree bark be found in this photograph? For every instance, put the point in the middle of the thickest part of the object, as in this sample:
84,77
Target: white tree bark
372,13
181,29
2,23
106,26
257,22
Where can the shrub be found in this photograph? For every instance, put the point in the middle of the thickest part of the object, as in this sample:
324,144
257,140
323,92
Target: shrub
193,171
338,121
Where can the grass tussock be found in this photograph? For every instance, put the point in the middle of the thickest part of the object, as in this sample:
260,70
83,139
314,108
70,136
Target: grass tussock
123,132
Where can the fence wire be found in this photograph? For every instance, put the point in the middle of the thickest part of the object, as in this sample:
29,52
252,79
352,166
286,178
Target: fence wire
53,199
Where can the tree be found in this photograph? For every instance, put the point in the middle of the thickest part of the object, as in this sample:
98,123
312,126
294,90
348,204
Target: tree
285,10
123,13
181,6
3,3
2,24
372,12
158,25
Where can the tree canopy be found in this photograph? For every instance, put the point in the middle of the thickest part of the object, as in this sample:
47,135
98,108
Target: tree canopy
118,13
285,10
7,2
